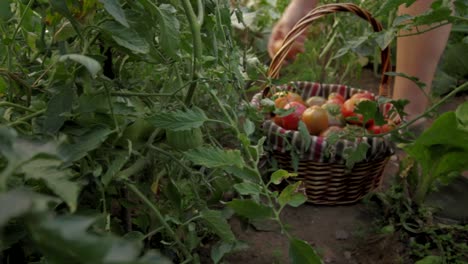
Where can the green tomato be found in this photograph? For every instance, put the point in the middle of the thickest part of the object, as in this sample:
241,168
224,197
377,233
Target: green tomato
185,139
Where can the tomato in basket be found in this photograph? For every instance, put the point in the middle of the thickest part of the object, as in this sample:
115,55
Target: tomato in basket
291,121
283,98
316,119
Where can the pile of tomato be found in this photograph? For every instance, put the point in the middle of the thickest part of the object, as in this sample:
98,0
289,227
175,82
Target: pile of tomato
323,116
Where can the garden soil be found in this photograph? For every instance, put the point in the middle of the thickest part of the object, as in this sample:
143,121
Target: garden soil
340,234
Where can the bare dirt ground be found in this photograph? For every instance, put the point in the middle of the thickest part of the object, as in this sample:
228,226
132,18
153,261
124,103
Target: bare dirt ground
340,234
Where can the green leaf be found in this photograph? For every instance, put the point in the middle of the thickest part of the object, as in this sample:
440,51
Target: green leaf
453,161
126,37
5,10
291,197
24,202
61,7
247,188
245,173
222,248
389,6
430,260
441,149
55,178
355,155
370,110
278,176
401,19
54,233
300,252
419,83
249,127
172,192
433,16
169,25
305,135
17,150
91,64
179,120
117,164
215,157
384,38
462,116
455,60
60,104
218,224
85,143
113,8
250,209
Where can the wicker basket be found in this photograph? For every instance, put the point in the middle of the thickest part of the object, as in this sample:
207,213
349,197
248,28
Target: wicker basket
325,177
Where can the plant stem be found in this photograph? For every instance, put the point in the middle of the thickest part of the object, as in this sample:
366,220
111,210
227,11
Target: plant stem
138,166
139,94
8,104
423,31
161,219
429,110
111,107
21,20
26,118
197,48
182,165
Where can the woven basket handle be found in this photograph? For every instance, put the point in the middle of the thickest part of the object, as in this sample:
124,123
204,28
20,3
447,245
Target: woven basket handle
301,26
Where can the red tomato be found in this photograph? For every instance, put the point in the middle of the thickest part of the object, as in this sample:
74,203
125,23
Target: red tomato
316,119
365,95
291,121
283,98
374,129
348,107
336,96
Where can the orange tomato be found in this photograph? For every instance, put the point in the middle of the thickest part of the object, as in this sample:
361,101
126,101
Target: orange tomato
316,119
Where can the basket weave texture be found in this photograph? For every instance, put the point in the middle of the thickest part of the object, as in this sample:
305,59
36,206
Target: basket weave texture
321,165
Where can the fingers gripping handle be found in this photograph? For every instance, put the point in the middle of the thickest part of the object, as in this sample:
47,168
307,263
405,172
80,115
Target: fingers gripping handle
317,13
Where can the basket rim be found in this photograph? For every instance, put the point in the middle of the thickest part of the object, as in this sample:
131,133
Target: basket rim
379,145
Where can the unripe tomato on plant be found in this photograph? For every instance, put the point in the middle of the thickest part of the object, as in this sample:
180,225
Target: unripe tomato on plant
291,121
185,139
316,119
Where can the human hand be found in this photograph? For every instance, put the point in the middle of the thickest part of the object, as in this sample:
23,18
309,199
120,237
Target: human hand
278,34
293,13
